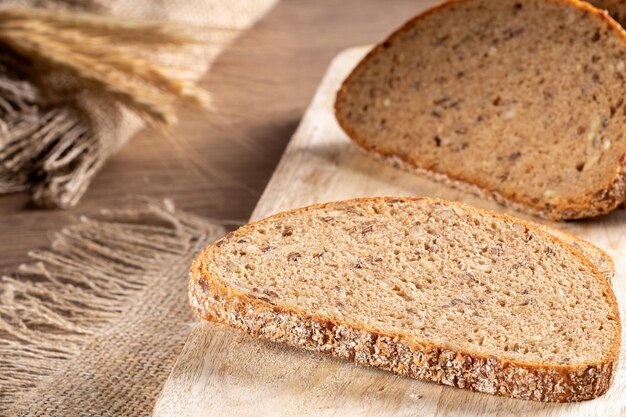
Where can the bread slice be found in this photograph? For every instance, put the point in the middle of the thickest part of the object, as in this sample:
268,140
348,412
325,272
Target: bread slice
429,289
519,101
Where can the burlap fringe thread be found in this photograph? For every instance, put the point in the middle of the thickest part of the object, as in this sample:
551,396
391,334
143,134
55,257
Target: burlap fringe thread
53,144
56,304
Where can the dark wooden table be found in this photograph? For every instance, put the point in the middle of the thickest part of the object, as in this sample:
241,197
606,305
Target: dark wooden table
217,165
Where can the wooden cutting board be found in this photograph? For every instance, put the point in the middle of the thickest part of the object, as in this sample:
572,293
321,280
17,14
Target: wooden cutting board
222,372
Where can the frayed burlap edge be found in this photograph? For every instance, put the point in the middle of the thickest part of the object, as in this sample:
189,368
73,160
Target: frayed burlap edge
115,284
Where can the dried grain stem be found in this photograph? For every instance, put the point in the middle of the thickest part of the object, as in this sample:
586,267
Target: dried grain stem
107,55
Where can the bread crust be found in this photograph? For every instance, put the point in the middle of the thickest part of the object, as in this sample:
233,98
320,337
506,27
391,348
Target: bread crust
603,201
404,355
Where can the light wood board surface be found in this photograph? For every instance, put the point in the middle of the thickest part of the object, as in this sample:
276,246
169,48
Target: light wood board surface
222,372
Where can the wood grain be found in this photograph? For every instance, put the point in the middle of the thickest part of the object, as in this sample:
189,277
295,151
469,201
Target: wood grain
223,372
217,165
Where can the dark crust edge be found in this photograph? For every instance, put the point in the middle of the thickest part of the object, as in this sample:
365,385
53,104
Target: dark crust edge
603,201
212,300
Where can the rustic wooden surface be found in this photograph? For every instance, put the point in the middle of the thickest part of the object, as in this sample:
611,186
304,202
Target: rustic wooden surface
217,165
224,372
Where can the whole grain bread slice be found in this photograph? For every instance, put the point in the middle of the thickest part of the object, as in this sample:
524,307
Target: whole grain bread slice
519,101
429,289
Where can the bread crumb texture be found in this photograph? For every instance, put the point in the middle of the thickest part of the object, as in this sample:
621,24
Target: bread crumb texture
425,288
521,98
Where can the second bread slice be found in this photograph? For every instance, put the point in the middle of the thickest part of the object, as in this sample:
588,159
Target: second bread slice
429,289
519,101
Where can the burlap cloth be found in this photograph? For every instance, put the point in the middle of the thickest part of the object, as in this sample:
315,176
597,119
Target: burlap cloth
93,326
82,129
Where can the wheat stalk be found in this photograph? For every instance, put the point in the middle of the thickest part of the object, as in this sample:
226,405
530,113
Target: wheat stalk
106,54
